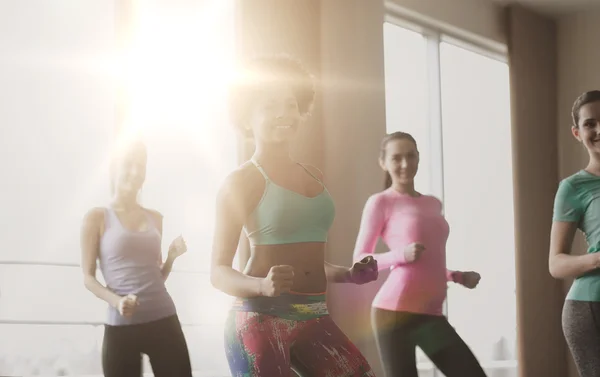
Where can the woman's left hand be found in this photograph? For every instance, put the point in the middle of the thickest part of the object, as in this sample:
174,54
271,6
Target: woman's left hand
177,248
470,279
364,271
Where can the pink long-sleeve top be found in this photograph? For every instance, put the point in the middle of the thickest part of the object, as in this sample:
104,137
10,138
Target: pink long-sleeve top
400,220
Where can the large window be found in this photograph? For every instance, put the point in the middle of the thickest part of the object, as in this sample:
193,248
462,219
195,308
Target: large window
57,63
454,98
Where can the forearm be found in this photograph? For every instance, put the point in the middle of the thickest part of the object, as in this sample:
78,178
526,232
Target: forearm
337,274
384,260
93,285
454,276
166,267
564,266
235,283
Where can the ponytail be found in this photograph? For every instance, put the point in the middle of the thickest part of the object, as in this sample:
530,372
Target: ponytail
388,181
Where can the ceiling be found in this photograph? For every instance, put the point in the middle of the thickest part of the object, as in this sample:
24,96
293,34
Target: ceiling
556,7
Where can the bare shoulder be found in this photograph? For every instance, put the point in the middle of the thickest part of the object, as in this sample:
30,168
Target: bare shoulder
314,171
93,221
240,178
244,186
94,216
155,214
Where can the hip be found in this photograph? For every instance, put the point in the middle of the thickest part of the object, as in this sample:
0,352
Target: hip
150,309
585,288
292,306
423,296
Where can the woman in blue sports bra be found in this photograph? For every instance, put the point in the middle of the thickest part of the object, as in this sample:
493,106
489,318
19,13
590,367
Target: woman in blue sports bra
279,320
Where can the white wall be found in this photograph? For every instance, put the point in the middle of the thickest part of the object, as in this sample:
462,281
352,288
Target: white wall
57,116
54,90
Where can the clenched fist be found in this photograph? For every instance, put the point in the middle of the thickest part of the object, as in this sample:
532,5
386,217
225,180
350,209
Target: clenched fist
412,252
177,248
127,305
470,279
364,271
279,280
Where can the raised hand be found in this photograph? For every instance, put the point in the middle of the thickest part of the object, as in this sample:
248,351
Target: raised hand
177,248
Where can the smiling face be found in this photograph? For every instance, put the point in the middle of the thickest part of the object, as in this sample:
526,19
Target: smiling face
401,160
130,171
274,117
587,130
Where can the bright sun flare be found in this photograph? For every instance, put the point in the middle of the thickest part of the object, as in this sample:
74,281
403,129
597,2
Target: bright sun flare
178,66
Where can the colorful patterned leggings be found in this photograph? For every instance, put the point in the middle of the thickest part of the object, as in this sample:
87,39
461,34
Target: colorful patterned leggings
267,345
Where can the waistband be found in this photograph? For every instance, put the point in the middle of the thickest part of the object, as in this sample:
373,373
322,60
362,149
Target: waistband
293,306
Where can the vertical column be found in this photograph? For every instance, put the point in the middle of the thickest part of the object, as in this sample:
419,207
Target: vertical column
533,72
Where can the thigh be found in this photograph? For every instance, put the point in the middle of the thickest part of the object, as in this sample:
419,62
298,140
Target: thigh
257,345
167,349
121,355
580,321
322,349
394,343
447,350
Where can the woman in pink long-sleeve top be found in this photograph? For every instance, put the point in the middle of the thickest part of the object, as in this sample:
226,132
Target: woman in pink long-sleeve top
407,311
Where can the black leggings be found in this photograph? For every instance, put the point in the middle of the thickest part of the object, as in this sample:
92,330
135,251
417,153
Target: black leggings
163,341
399,333
581,326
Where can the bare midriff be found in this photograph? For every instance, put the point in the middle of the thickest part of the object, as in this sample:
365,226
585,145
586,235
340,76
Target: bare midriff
307,259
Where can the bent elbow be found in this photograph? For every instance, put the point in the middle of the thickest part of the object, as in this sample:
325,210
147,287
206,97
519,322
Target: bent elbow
87,281
214,277
554,270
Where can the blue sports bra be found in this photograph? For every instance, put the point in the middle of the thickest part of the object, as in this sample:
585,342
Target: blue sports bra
283,216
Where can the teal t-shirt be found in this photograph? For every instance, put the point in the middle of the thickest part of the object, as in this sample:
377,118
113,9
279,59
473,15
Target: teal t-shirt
578,201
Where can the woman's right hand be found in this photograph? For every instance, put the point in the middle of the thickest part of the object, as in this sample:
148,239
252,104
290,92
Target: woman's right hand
412,252
279,280
127,305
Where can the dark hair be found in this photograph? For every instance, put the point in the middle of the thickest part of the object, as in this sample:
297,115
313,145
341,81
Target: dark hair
390,137
129,146
582,100
264,70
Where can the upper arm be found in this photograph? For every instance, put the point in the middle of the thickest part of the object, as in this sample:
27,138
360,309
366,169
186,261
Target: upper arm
371,226
244,251
91,229
438,203
561,237
567,206
567,213
231,213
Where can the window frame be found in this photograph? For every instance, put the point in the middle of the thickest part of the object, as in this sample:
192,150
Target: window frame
436,33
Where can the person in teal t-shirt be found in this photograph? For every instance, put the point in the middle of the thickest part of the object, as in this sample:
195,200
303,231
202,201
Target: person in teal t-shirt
577,206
